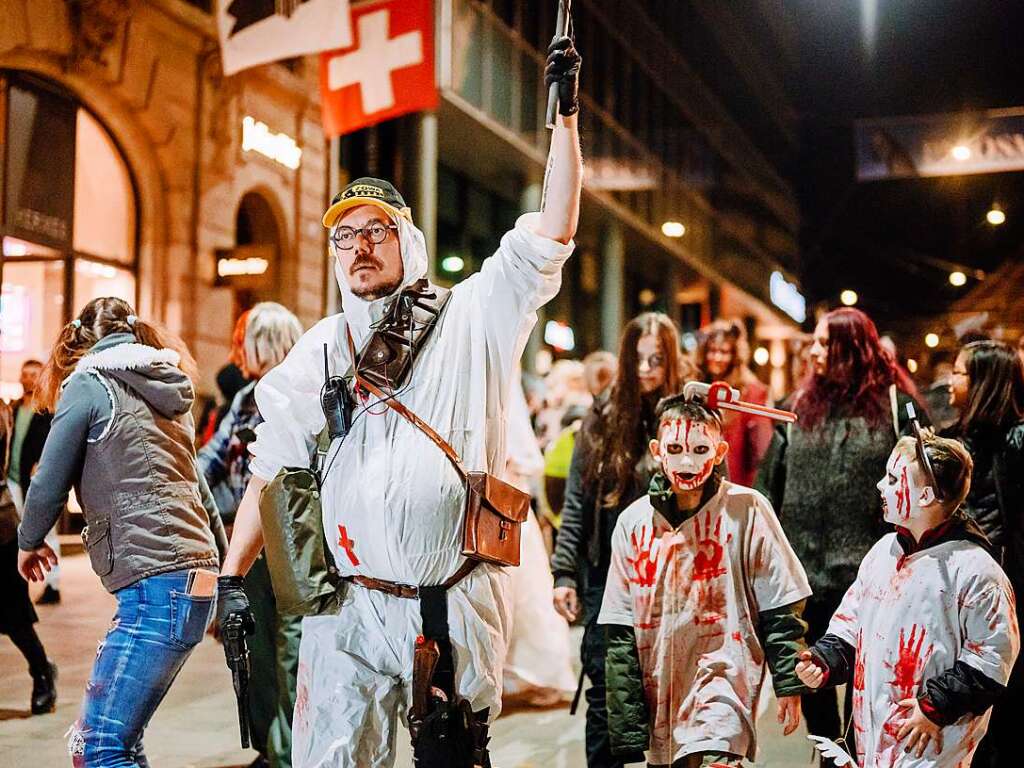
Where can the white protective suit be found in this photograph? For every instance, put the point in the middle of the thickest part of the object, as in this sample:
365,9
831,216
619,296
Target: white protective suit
911,617
538,668
392,503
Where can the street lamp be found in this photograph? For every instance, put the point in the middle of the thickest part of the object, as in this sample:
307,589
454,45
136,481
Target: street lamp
452,264
995,216
673,229
957,278
912,365
931,340
848,297
761,356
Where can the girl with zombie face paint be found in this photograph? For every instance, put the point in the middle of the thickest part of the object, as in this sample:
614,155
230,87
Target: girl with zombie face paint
610,468
820,472
987,387
703,589
724,355
927,634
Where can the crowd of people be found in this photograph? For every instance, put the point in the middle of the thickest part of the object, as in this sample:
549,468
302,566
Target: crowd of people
580,445
368,506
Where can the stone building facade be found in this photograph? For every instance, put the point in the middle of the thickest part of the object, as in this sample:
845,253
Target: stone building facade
180,174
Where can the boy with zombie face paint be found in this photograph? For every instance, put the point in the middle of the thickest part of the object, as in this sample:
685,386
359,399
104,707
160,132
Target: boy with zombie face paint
703,589
927,634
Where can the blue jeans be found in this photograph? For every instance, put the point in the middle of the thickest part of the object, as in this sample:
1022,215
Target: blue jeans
154,631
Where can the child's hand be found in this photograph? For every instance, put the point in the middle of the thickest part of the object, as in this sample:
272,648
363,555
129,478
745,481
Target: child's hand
789,713
567,604
919,728
809,672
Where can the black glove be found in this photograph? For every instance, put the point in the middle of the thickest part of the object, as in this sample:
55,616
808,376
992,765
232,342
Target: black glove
563,67
232,600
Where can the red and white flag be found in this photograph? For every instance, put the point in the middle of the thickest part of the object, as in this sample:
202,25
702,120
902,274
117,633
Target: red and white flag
387,71
259,31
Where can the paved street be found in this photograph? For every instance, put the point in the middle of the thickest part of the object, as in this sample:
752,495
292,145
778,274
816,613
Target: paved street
196,725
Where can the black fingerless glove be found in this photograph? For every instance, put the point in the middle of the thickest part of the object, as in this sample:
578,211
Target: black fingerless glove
563,68
232,601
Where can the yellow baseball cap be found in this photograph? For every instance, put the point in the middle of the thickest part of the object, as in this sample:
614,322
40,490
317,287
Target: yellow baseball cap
367,191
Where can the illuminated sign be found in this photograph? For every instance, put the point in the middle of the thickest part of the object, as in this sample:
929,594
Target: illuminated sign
279,147
250,266
560,336
787,297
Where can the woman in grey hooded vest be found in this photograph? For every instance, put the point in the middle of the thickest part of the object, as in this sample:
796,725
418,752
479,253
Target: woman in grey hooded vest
123,437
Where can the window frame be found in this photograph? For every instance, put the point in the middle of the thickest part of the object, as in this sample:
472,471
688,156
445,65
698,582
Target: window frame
67,254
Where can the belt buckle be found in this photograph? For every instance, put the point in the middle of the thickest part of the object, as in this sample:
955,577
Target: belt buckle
409,592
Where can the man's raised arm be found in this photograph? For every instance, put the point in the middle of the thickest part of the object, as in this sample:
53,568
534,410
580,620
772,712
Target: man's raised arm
564,175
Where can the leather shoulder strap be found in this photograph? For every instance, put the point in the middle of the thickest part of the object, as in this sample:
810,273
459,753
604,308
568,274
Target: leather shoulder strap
393,403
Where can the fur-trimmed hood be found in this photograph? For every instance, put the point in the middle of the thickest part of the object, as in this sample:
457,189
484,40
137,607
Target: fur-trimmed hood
152,374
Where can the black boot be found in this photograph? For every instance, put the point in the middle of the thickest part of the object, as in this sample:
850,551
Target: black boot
44,690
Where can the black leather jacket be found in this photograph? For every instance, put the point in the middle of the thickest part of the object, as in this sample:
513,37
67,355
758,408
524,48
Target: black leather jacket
996,499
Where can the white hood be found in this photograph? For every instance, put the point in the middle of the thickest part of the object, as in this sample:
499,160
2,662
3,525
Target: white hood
359,313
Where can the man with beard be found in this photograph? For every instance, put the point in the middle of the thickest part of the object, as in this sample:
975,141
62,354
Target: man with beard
392,503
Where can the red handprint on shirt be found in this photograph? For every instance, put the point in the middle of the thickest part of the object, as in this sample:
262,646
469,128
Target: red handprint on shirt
909,663
644,564
707,562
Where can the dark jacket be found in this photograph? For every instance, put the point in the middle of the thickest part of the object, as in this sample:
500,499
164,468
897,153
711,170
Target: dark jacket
32,446
585,535
949,695
822,483
123,437
996,498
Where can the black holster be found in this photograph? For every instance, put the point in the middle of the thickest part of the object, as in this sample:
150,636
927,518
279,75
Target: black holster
446,733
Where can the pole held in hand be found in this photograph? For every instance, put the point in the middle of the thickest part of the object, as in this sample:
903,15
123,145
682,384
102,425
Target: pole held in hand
561,30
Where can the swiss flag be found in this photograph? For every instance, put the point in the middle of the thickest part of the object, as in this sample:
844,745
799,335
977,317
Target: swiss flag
388,71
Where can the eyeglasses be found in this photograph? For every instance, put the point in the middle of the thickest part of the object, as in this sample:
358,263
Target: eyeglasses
653,361
376,232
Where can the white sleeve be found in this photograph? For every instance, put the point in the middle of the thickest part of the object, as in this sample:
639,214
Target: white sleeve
845,622
991,639
523,275
776,574
617,605
288,398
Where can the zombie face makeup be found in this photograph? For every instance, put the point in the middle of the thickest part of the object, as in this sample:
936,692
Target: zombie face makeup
904,492
688,451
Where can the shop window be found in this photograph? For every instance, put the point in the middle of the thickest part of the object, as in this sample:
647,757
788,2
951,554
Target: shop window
68,223
31,304
104,202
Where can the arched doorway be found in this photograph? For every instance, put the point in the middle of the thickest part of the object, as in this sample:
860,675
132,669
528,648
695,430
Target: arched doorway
69,226
252,269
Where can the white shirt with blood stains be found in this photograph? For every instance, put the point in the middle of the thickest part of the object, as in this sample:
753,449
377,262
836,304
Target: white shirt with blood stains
693,595
911,618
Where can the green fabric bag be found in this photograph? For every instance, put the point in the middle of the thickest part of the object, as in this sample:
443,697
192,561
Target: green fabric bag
302,569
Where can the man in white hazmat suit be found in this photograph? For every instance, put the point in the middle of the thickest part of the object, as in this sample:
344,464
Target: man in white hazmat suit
392,503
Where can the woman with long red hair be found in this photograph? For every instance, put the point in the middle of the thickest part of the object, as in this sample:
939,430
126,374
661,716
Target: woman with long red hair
820,473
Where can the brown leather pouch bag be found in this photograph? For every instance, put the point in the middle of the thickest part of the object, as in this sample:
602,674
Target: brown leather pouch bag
495,512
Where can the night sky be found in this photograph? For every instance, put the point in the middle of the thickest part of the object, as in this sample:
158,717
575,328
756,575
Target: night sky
882,238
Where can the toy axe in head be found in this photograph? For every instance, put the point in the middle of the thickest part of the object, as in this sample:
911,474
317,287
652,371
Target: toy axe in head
721,396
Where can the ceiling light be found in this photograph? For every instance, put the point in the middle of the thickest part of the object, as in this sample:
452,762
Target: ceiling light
961,152
848,297
957,278
673,229
995,217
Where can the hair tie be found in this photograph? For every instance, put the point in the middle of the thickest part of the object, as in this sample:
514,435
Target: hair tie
131,320
76,323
